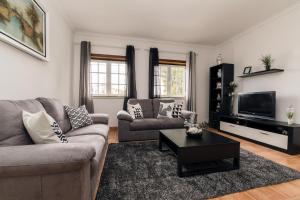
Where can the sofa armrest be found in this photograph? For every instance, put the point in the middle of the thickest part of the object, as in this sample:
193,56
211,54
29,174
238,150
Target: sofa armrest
41,159
99,118
123,115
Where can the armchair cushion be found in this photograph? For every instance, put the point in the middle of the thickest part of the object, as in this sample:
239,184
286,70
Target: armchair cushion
123,115
99,118
42,159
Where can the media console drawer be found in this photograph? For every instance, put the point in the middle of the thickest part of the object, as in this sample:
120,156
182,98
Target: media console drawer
266,137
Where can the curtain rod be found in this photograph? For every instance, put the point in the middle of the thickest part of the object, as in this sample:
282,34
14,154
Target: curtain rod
173,52
120,47
108,46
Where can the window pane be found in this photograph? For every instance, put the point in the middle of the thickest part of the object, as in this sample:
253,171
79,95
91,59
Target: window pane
122,79
102,67
99,78
122,69
114,89
178,81
95,78
102,89
114,78
94,67
114,68
102,78
122,90
94,89
163,90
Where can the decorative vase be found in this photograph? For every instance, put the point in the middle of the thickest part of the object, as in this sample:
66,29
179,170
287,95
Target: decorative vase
268,67
290,121
219,73
290,113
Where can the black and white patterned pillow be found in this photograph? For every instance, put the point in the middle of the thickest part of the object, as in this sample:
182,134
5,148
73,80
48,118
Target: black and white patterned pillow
79,117
135,111
57,130
177,110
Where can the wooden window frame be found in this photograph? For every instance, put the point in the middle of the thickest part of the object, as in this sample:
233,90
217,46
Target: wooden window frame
172,62
108,57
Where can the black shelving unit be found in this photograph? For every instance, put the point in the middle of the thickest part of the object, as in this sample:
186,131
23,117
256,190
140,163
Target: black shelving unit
219,101
259,73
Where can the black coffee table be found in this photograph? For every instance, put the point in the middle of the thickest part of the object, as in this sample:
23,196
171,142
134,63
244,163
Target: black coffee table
209,150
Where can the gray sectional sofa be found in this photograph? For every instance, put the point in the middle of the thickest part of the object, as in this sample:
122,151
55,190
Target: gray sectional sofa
61,171
147,128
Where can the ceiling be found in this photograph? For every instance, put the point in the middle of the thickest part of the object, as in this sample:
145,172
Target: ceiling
207,22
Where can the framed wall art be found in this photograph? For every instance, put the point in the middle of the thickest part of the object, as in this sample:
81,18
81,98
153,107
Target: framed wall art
24,24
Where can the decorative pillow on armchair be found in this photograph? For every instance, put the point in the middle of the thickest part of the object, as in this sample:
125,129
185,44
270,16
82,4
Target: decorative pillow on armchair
165,110
79,117
135,111
42,128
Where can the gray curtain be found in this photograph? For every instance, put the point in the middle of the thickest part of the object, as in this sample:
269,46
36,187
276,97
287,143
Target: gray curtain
131,83
154,82
85,97
191,82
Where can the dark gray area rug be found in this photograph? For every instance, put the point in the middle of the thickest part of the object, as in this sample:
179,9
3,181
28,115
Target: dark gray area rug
141,171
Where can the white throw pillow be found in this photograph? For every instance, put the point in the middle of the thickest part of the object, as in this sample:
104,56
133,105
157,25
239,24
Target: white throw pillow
165,110
135,111
42,128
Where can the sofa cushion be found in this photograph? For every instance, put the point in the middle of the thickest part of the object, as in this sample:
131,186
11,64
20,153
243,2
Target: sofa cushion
146,105
95,129
156,104
156,124
12,130
56,110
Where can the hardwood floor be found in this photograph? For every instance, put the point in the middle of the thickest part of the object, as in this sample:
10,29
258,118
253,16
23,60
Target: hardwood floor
284,191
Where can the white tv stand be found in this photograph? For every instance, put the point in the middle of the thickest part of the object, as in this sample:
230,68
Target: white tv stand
274,134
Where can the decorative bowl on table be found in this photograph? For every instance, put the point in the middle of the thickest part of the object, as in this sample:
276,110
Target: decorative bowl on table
196,130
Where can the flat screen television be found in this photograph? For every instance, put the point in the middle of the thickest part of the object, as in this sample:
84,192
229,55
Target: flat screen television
257,104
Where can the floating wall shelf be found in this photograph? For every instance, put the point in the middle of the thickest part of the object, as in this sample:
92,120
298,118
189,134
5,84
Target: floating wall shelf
258,73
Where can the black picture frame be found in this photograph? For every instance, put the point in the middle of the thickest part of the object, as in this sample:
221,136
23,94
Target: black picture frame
247,70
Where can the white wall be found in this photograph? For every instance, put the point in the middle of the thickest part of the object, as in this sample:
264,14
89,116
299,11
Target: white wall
108,45
280,37
23,76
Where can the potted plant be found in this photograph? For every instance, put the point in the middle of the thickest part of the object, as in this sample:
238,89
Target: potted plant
231,93
267,61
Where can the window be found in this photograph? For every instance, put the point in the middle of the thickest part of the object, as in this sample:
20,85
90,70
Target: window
108,78
171,78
